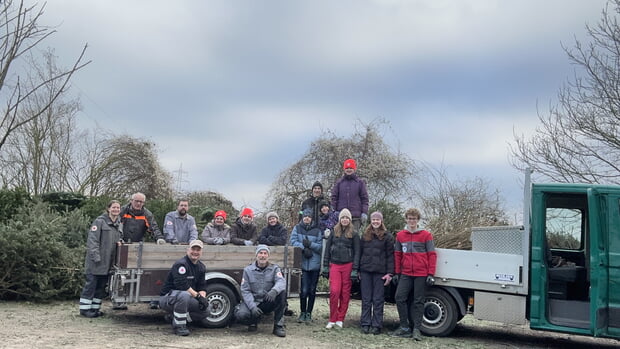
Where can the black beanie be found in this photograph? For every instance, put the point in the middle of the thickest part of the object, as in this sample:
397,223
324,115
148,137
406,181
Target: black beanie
317,184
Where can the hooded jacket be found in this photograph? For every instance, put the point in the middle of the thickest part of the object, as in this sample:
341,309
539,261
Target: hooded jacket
350,192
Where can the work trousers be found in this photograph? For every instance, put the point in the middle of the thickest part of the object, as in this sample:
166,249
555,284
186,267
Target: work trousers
93,292
372,289
339,290
243,314
183,307
410,300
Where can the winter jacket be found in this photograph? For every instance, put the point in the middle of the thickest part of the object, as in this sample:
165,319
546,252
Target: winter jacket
377,256
185,274
341,250
350,192
212,231
414,253
315,236
273,235
101,245
240,232
328,221
136,223
180,228
313,203
257,282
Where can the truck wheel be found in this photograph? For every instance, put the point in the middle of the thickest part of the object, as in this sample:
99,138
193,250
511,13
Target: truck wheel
440,313
222,301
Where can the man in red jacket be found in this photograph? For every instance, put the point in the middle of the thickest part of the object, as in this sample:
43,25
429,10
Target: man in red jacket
415,260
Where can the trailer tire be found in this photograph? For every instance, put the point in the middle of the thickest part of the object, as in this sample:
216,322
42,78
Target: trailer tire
440,313
223,302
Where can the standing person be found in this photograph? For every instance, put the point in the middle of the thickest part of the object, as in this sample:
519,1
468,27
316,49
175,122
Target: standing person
137,220
376,270
350,192
184,293
263,290
415,260
217,232
313,202
180,226
243,232
100,254
308,236
274,234
340,265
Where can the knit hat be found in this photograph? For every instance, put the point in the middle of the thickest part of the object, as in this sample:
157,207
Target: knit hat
323,203
220,213
307,212
349,163
376,214
317,184
272,214
345,213
262,247
247,211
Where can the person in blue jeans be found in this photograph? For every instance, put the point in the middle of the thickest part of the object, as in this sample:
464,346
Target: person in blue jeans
308,236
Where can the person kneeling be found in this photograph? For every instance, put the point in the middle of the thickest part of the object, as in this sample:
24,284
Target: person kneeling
183,296
262,290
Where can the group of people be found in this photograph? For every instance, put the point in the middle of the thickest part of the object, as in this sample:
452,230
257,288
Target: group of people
372,256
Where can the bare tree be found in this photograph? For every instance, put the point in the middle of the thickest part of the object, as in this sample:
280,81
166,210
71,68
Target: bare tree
452,208
387,171
579,140
38,155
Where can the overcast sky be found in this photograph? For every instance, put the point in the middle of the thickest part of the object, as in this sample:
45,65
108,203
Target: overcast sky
235,91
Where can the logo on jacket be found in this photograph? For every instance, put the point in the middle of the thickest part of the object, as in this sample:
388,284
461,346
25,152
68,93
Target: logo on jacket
404,248
182,270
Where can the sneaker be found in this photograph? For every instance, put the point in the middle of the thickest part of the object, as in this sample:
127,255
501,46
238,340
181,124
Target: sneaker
301,318
181,330
279,331
308,317
288,312
330,325
402,332
339,324
253,328
365,329
98,313
375,330
417,335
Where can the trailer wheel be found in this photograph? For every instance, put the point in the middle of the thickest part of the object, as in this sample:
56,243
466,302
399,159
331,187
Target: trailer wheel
222,301
440,313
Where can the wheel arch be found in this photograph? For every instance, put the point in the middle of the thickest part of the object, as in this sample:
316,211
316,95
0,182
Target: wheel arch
221,278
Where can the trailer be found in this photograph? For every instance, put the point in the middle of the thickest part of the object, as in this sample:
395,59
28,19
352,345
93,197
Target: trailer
560,270
141,269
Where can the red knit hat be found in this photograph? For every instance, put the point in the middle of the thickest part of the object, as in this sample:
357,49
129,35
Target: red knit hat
349,163
220,213
247,211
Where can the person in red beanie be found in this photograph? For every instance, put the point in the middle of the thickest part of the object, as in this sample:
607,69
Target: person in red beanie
350,192
217,232
244,232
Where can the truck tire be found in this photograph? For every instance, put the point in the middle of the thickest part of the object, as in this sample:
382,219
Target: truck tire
440,313
223,302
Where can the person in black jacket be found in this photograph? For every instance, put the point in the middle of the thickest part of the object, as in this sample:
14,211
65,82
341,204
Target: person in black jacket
184,293
274,234
376,270
341,262
313,202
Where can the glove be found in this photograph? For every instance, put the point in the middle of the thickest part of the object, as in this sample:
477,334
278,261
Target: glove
203,303
256,312
354,275
395,279
174,241
270,296
430,280
306,243
364,217
248,242
325,272
326,233
161,241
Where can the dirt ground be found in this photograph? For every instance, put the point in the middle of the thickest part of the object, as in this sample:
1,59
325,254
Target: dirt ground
58,325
